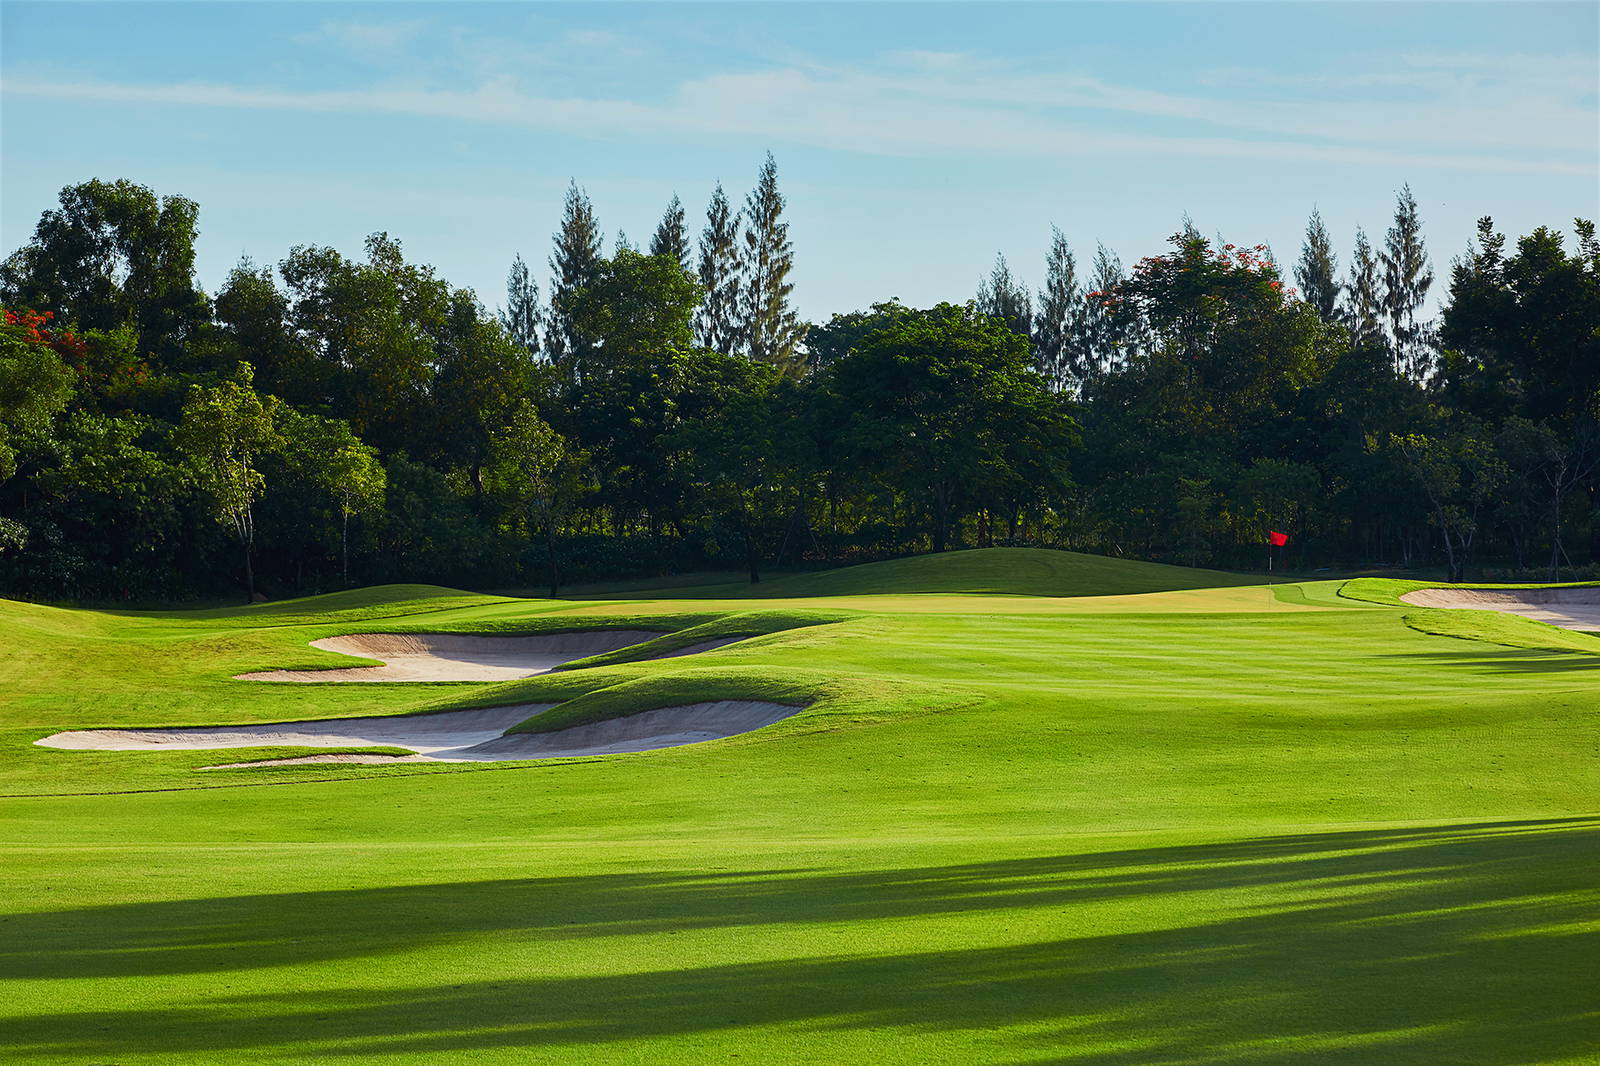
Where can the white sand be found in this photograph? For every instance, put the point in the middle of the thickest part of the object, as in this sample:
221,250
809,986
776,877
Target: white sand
438,735
364,759
458,656
666,727
1569,608
451,736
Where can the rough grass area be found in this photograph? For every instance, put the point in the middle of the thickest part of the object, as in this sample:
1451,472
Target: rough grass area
1388,590
1495,627
1189,825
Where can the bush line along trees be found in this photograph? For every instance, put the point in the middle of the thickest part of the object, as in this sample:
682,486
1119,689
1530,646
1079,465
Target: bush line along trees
333,420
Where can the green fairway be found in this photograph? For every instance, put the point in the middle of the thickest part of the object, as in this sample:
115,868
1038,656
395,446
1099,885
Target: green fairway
1040,808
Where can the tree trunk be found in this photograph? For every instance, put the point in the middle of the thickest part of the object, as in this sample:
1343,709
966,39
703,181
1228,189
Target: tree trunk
941,518
249,573
344,549
550,554
1556,551
749,544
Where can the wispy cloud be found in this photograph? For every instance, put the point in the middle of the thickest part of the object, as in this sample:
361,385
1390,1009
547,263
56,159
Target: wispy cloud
373,41
1438,111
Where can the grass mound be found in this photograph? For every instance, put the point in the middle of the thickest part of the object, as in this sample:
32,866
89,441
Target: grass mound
1001,572
1388,590
1166,820
1494,627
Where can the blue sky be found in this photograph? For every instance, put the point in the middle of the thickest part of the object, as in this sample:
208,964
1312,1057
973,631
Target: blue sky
914,140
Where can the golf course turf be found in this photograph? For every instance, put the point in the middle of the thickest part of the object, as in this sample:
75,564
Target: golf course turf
1038,807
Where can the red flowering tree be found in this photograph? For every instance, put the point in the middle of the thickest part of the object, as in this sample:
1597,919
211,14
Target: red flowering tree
1219,353
1217,326
35,382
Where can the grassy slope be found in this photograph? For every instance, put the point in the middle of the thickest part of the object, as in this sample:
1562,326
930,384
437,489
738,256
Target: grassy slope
1286,828
1496,627
987,571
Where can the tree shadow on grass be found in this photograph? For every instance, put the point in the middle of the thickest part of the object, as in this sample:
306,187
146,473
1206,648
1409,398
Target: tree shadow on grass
1452,943
1509,661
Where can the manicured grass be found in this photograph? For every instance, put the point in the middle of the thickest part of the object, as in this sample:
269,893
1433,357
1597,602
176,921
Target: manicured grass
989,571
1109,826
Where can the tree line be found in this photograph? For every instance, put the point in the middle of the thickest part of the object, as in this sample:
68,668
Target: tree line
329,420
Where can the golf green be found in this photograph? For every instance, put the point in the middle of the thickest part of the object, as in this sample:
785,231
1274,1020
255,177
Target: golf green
1039,808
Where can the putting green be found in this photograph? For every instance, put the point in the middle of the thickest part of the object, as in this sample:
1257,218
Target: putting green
1152,815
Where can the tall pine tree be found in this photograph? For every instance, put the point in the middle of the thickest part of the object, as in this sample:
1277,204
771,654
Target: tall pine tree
1056,324
573,265
1315,273
1407,276
1363,297
1002,296
522,315
1104,335
769,329
671,237
716,325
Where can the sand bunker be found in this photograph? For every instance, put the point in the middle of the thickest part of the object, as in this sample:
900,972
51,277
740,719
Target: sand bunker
1569,608
438,735
450,736
463,657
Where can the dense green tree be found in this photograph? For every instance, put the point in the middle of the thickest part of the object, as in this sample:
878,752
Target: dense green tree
768,328
225,429
1521,332
429,531
1362,311
573,265
1317,271
1214,383
35,382
374,326
1218,332
717,324
120,495
480,376
1057,326
671,238
635,307
728,437
1212,406
933,400
536,473
639,315
1522,346
326,454
1407,276
522,315
841,334
254,323
1460,474
114,254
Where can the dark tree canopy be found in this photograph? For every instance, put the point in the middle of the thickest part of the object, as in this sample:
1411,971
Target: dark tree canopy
118,256
340,418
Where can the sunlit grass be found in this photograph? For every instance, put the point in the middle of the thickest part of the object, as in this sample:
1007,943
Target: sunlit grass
1186,825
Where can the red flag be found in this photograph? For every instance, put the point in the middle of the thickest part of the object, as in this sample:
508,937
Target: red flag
1276,539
